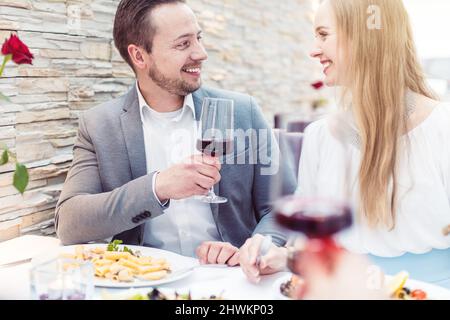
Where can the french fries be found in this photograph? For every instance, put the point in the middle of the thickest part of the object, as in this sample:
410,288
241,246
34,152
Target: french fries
121,266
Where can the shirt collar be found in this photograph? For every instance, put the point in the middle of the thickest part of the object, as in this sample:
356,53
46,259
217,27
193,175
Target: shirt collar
188,104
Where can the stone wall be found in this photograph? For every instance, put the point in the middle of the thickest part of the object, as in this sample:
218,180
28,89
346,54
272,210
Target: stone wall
255,46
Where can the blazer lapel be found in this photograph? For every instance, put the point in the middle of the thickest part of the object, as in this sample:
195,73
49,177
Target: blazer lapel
134,134
198,97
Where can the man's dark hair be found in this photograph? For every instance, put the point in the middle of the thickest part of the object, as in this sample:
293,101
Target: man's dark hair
133,25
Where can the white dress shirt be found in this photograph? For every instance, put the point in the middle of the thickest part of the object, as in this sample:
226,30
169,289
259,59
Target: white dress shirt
423,181
169,139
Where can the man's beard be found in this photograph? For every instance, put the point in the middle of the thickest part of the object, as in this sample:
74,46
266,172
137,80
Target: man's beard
174,86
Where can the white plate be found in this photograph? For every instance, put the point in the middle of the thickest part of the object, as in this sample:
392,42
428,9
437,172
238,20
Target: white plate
434,292
25,248
181,267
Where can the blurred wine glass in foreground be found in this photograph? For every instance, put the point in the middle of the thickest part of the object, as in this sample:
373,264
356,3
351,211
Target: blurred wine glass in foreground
316,216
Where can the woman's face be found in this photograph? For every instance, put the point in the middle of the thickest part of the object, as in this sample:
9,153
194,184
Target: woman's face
326,44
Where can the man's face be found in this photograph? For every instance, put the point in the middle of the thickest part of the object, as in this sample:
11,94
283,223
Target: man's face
177,52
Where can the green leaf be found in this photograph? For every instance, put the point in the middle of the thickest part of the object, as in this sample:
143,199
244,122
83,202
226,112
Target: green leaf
114,246
5,158
126,249
3,97
21,178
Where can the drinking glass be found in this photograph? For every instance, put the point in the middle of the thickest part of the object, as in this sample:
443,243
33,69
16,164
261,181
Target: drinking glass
314,215
216,134
61,278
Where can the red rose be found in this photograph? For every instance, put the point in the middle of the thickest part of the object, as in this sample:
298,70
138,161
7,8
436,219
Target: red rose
19,51
317,85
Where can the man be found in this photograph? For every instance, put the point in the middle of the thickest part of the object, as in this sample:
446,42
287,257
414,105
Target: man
127,179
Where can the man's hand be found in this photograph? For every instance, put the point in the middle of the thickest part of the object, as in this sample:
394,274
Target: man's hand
193,177
214,252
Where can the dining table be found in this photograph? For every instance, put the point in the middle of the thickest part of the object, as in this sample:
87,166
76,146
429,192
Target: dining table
16,257
231,282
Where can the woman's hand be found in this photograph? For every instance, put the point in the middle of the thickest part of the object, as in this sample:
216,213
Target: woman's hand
272,262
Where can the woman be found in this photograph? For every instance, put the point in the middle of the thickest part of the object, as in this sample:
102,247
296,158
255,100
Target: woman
396,129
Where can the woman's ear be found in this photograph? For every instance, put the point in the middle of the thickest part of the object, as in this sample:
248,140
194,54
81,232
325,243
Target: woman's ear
138,56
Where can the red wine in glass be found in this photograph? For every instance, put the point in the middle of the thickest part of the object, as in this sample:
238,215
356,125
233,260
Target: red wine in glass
216,134
215,148
316,218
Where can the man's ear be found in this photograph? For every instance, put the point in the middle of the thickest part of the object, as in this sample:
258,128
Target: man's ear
138,56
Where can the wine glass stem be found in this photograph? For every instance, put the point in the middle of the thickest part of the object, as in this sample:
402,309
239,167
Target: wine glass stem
211,192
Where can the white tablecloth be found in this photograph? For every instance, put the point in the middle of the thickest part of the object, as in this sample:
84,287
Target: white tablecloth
15,281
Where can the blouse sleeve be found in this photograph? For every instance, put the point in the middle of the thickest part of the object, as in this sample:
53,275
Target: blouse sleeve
309,162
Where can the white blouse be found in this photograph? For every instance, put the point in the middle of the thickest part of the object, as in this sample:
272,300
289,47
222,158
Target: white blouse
423,208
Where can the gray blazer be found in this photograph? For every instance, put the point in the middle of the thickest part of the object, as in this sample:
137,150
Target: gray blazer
108,192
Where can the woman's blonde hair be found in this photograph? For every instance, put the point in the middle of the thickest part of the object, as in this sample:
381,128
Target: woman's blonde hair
382,65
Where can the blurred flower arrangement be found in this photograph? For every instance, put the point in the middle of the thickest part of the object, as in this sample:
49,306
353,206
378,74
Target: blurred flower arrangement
15,50
318,102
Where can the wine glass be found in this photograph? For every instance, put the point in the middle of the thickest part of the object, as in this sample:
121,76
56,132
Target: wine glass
314,215
318,220
217,134
58,278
